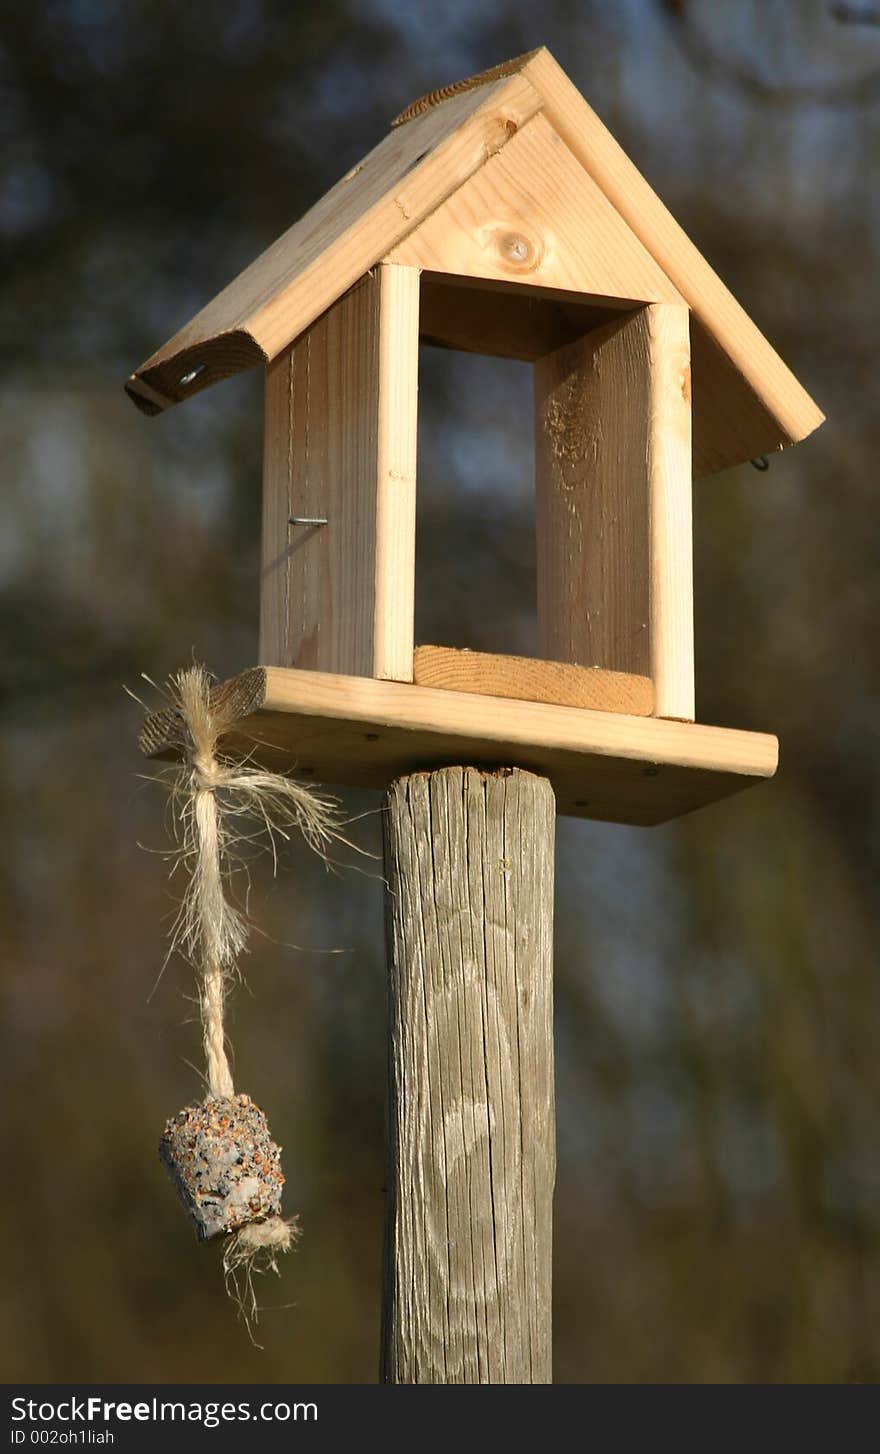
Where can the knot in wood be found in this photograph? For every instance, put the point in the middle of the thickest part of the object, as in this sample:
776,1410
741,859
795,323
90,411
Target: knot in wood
517,251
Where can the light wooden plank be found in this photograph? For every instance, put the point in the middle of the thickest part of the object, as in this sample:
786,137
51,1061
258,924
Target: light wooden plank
341,421
471,1117
670,502
612,445
532,214
730,428
394,610
526,679
275,647
350,229
363,732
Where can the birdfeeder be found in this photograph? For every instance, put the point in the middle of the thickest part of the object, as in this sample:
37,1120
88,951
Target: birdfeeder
498,217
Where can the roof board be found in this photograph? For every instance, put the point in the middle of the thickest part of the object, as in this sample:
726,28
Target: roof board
746,400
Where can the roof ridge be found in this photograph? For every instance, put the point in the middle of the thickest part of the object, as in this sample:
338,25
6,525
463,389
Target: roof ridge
483,78
748,401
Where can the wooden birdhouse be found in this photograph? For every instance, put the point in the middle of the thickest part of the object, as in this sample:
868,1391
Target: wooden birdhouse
497,217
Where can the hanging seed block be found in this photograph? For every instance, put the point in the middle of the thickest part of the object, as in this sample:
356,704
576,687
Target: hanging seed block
224,1165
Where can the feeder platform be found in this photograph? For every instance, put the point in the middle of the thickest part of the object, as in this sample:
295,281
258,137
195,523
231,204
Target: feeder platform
362,732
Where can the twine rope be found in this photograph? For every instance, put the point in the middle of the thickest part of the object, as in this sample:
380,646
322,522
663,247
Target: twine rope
205,778
215,804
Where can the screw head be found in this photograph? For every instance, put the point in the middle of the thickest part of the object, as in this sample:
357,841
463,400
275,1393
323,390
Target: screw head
191,376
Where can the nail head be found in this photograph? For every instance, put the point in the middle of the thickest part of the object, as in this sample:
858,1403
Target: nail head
191,376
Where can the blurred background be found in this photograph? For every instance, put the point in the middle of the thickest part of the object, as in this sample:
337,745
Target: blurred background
717,1001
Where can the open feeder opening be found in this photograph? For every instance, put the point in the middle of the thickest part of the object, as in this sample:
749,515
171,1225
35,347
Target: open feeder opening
514,325
500,410
556,545
475,504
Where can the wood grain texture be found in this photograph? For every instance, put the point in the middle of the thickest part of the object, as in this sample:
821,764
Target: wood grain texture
347,232
504,320
471,1123
281,407
340,444
666,338
613,482
754,403
394,615
362,732
747,402
445,93
534,215
526,679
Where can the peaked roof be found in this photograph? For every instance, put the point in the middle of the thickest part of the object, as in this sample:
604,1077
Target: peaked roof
746,401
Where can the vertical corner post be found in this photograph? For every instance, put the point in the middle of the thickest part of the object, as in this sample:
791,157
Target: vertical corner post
340,446
614,483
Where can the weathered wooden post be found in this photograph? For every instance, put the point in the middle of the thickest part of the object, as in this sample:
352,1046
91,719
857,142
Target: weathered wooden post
499,217
471,1127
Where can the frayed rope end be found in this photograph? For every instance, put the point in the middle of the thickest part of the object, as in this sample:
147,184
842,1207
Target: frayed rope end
260,1242
255,1248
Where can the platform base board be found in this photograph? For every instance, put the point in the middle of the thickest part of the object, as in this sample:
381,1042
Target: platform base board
362,733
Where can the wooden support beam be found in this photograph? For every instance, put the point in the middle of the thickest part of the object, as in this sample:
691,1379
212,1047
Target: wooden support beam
613,479
340,445
471,1152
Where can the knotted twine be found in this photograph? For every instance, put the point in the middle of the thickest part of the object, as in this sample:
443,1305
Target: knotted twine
215,803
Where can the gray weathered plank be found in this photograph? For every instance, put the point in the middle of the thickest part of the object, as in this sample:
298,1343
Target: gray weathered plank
471,1125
